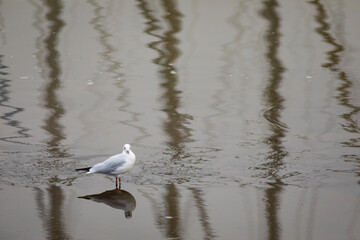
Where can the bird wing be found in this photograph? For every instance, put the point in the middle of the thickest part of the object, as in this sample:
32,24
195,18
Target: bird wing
110,165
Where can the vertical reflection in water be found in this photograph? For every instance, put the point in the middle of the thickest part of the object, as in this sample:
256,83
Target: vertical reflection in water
152,27
230,50
2,33
203,215
113,65
51,213
272,205
344,90
172,226
167,213
53,70
8,116
176,125
274,102
273,98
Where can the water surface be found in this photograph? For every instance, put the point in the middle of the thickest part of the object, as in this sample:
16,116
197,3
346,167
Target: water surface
244,117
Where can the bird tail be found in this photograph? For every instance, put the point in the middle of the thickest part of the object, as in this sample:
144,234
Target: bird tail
83,169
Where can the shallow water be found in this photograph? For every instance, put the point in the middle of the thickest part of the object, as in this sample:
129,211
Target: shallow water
243,115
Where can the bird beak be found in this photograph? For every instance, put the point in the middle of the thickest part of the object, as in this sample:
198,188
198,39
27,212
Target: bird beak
128,151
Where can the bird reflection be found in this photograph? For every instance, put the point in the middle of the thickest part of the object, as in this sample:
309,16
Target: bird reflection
117,198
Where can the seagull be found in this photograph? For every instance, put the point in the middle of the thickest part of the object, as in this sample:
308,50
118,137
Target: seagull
116,165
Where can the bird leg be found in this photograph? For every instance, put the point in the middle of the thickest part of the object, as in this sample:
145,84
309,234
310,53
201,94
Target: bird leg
116,182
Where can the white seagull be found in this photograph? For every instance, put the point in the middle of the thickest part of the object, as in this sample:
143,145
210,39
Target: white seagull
116,165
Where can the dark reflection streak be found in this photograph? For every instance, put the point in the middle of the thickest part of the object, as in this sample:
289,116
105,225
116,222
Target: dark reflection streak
333,65
159,215
333,55
39,199
166,213
51,217
8,116
272,206
273,98
151,27
2,26
166,47
52,59
344,90
49,69
274,102
114,66
176,125
173,226
203,215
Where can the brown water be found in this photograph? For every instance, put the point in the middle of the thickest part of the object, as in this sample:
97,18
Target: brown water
244,117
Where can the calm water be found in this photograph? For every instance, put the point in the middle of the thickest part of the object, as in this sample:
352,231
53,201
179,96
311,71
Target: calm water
244,117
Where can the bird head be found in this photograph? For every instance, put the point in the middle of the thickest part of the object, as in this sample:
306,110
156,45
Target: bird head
127,148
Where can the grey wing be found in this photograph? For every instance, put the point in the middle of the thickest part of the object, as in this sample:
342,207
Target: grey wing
108,167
